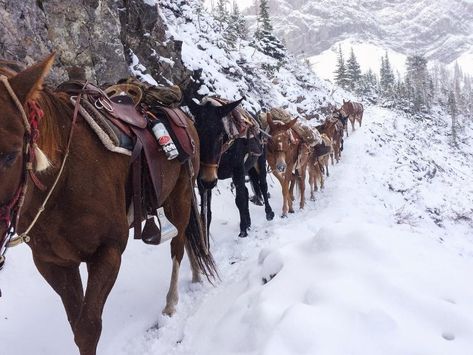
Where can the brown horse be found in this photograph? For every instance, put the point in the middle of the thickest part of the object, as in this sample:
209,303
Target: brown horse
318,164
333,128
282,155
354,112
85,198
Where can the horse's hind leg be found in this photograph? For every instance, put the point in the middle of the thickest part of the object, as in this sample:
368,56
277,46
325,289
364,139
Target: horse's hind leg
241,200
67,284
257,199
302,173
177,207
103,270
263,184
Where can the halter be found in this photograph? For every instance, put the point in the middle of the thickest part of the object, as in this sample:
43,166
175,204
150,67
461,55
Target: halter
11,211
277,137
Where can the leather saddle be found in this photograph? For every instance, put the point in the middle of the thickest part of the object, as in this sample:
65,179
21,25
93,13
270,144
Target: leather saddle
131,119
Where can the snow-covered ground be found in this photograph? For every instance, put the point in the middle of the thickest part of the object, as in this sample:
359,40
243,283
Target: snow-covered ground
380,263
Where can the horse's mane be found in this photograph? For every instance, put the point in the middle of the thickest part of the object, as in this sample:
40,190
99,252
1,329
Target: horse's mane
52,104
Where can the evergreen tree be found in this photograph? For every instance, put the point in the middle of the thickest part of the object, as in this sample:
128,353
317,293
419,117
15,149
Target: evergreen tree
264,39
353,71
418,78
453,111
386,76
457,85
240,24
367,85
341,77
221,14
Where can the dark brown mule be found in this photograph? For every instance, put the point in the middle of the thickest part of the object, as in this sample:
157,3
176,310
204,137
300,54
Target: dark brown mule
333,128
318,164
282,155
354,111
85,218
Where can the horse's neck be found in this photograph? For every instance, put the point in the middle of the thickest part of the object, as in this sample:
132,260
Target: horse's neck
55,125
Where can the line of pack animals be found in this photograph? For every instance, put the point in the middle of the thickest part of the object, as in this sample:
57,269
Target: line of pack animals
81,165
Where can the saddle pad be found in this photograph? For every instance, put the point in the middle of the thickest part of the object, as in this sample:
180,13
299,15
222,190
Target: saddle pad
111,136
321,150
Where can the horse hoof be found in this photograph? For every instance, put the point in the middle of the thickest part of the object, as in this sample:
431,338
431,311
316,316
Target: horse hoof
269,216
284,215
291,211
243,234
256,200
312,198
169,311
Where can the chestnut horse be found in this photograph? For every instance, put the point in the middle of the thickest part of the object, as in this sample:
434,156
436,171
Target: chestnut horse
282,154
354,112
85,200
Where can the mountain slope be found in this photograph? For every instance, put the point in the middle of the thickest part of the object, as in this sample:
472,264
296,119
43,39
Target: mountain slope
442,30
379,263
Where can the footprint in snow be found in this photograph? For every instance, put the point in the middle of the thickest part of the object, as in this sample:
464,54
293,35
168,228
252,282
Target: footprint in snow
448,336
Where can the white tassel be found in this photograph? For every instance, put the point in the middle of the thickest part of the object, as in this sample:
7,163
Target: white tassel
42,161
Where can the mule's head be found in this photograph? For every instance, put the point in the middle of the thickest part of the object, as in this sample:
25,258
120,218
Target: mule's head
209,125
342,115
15,92
281,140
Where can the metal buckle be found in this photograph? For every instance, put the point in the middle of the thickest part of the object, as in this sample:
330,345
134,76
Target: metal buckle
101,103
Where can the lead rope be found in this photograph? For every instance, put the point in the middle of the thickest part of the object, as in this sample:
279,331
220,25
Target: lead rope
23,237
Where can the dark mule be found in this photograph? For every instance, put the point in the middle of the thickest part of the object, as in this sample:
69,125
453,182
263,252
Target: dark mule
333,128
354,112
85,217
223,157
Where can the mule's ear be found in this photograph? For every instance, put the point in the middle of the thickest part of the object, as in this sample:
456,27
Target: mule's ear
225,110
291,124
194,108
344,102
269,119
27,83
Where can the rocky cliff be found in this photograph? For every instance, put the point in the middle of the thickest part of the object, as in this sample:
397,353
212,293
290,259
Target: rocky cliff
94,38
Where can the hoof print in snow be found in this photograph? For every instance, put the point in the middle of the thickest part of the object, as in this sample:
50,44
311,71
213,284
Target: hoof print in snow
448,336
272,263
266,280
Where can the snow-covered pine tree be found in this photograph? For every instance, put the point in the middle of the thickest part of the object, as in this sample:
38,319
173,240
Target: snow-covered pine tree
386,77
353,71
418,78
238,22
221,14
264,39
367,86
341,71
453,111
457,86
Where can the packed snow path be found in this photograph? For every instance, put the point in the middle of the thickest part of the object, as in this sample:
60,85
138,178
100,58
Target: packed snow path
380,263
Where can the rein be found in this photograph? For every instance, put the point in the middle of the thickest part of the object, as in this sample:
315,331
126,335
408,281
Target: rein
10,213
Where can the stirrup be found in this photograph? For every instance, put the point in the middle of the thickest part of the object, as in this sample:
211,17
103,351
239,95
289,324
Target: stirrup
154,235
168,230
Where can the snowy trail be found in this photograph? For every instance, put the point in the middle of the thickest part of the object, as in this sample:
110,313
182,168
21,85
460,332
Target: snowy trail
353,273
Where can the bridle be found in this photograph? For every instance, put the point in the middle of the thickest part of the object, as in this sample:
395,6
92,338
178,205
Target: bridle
225,146
11,211
277,141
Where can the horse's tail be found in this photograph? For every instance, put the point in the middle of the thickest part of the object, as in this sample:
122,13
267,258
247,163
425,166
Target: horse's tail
198,246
